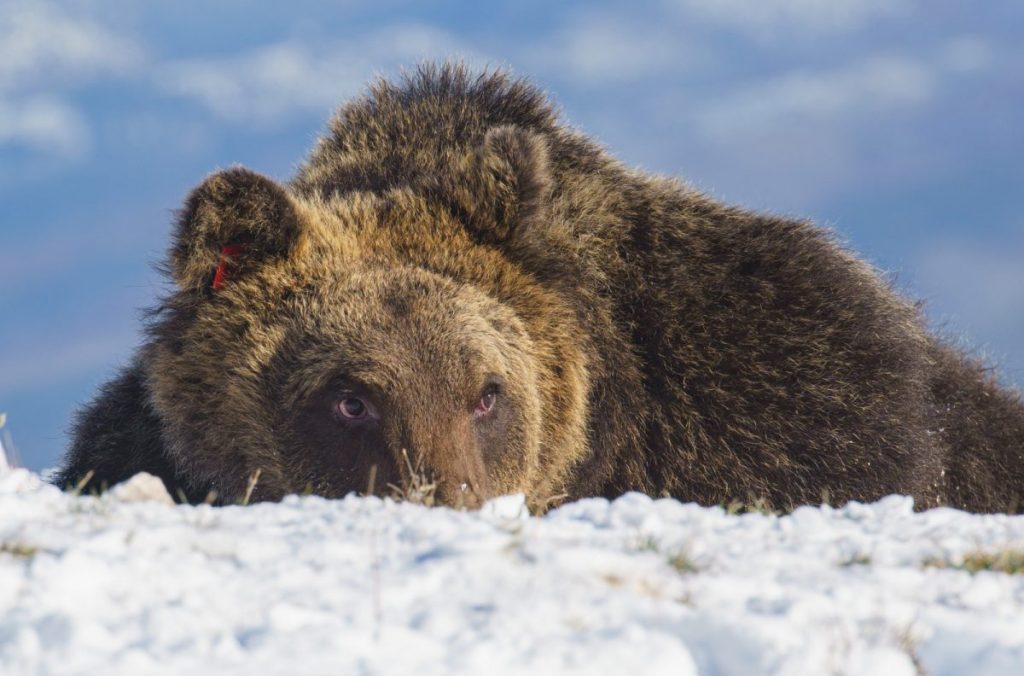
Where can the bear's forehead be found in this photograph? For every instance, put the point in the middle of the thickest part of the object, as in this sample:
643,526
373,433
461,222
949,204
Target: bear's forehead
389,303
378,331
352,238
398,219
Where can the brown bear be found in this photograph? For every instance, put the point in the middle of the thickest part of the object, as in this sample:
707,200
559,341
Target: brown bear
456,286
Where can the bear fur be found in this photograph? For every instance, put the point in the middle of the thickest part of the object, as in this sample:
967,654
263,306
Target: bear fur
457,286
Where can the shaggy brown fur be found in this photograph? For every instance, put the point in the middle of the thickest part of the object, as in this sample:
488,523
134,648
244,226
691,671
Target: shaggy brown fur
456,282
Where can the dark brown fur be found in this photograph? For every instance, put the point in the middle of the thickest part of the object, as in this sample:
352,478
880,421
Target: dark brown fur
450,237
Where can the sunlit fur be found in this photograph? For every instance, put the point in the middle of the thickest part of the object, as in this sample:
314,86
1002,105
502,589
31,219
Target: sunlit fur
449,228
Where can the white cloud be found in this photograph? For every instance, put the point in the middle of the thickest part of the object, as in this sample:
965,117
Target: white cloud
40,47
43,124
875,87
42,50
981,281
49,362
977,289
878,83
967,54
768,18
793,140
273,82
602,49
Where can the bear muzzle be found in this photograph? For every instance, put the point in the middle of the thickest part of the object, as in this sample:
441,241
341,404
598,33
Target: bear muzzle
446,463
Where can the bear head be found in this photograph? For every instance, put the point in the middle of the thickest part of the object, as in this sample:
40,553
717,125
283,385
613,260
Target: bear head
361,341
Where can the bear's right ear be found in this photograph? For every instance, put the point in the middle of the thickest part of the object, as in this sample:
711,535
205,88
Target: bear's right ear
233,222
503,186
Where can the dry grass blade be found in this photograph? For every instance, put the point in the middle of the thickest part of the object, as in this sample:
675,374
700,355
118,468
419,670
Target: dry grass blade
83,482
420,489
1008,561
253,480
18,550
372,481
8,452
555,500
4,464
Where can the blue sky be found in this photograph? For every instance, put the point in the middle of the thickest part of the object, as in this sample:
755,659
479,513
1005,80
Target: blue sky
898,123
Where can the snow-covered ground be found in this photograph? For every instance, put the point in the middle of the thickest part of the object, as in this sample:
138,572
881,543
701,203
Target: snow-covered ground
366,586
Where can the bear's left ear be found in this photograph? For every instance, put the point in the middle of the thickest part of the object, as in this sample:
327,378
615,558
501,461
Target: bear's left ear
233,222
505,184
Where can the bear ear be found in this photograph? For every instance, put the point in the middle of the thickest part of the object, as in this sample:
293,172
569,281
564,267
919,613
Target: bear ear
234,221
506,184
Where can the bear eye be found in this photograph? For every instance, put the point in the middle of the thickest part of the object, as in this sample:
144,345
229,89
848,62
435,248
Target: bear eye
487,400
354,409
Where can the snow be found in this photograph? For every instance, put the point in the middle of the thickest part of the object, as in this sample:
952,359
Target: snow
126,583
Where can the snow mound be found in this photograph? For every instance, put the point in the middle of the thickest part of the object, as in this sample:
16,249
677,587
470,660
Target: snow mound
132,585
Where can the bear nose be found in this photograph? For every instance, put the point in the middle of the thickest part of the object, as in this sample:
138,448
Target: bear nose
448,460
460,495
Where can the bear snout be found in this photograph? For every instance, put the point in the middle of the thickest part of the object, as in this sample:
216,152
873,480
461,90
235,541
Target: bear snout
445,461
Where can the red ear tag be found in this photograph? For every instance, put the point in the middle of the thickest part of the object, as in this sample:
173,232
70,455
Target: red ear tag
226,253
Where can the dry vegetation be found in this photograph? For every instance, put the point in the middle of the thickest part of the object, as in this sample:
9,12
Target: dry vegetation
1009,561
